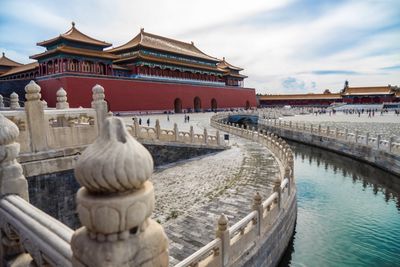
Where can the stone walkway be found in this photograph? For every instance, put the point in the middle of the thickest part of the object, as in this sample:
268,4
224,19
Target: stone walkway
191,195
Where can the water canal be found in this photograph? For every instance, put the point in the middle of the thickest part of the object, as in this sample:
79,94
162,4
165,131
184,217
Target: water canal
348,212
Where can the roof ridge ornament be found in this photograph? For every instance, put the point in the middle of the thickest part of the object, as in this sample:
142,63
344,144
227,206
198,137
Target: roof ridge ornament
4,54
73,24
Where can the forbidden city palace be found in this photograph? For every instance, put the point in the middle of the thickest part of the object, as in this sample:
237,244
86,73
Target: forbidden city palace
149,72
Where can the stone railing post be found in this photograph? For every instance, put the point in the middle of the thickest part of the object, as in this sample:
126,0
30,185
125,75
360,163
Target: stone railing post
367,138
44,104
328,130
205,136
378,141
1,102
12,181
336,132
136,127
191,135
277,188
218,138
62,99
356,136
390,144
176,132
223,233
38,127
346,133
311,128
158,129
100,105
319,129
115,203
14,101
257,206
304,126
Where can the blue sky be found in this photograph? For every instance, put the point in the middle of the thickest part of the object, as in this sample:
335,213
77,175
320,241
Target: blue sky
285,46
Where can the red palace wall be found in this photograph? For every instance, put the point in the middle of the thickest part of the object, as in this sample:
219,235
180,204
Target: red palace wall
129,95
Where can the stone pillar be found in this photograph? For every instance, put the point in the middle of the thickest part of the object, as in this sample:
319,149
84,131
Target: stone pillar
191,135
12,181
62,99
1,102
346,133
99,104
390,144
378,141
223,233
311,128
115,203
277,188
336,132
14,101
176,132
328,130
158,129
136,127
218,138
257,206
367,138
356,136
38,127
205,136
319,128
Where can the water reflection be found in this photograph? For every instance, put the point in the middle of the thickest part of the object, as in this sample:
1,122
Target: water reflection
369,176
348,212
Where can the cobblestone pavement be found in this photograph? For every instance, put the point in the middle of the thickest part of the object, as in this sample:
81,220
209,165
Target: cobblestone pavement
190,196
387,125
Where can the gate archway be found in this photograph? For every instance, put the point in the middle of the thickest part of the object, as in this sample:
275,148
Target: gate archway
178,105
214,104
247,104
197,104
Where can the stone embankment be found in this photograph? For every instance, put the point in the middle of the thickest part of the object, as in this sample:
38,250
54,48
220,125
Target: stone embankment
374,150
259,233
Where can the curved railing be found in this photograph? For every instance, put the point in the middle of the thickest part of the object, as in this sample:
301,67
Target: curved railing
235,242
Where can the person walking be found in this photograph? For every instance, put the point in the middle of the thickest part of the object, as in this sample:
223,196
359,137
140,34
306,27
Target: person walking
148,122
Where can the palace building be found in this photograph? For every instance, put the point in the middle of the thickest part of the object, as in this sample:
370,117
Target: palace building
349,95
149,72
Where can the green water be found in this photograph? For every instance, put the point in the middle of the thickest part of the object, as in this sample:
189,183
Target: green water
348,212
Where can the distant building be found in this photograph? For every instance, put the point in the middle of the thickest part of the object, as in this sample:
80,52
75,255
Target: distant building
149,72
350,95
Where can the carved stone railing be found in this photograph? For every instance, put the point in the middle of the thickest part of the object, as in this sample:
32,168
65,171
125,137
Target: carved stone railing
174,135
357,137
42,129
235,242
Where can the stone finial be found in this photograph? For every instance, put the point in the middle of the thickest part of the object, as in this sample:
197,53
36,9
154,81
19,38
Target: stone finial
12,180
222,223
14,101
44,104
62,99
1,102
116,203
257,199
125,163
32,91
98,93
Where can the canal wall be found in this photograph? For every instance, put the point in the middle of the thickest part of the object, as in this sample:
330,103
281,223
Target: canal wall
372,150
52,184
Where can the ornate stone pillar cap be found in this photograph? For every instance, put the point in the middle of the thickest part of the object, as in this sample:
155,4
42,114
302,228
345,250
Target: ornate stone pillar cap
8,131
115,162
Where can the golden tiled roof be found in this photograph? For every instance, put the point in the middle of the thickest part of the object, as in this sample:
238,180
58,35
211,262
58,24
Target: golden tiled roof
142,56
76,51
21,68
74,34
225,65
309,96
161,43
5,61
367,90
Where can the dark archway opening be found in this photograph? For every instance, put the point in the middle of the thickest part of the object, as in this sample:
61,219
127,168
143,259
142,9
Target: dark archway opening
247,104
178,105
214,104
197,104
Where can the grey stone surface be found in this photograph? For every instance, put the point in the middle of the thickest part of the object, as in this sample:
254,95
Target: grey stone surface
189,210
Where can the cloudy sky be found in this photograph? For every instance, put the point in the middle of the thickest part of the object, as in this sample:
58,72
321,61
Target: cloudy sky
285,46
